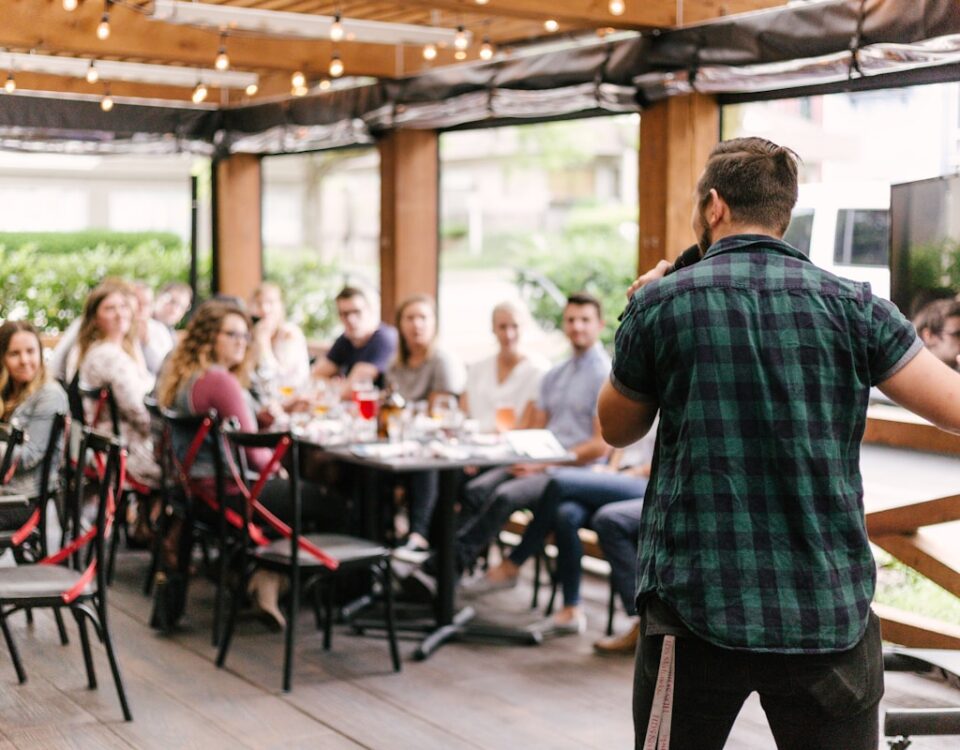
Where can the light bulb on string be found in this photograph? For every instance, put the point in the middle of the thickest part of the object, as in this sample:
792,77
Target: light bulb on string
429,52
10,85
199,93
299,91
336,29
617,7
252,89
93,75
460,40
481,2
222,61
103,28
298,80
336,66
486,49
69,5
551,25
460,54
324,84
106,104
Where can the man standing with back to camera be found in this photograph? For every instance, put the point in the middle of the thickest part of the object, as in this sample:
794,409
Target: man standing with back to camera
754,570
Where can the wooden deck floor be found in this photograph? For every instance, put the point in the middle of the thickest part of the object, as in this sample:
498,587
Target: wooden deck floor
555,697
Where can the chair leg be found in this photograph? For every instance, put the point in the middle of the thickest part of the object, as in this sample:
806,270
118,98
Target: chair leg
114,666
315,595
85,644
221,587
121,517
328,617
12,648
537,564
228,628
29,615
611,608
64,640
553,589
293,608
386,578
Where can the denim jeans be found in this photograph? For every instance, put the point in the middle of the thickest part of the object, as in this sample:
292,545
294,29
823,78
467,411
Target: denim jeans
618,531
569,501
812,701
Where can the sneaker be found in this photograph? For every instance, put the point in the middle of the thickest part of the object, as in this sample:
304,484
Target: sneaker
411,552
551,628
619,644
483,585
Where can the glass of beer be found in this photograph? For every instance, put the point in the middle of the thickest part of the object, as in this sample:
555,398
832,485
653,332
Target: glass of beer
505,418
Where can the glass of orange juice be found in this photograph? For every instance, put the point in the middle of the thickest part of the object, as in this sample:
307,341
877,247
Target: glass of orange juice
505,418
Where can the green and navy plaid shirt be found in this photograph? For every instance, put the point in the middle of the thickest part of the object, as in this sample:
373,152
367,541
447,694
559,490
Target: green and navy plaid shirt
753,528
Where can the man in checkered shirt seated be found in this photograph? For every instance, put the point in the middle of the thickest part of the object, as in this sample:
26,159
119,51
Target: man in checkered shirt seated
754,570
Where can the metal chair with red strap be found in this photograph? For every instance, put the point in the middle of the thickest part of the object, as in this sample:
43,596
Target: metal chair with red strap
29,540
320,558
50,584
195,454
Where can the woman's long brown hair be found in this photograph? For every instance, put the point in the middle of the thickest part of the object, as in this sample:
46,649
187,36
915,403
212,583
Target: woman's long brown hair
13,394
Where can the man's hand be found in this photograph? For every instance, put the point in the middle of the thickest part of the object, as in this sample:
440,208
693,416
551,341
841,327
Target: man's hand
657,272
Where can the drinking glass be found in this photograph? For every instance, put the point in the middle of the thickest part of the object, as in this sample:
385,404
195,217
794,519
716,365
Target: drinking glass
505,418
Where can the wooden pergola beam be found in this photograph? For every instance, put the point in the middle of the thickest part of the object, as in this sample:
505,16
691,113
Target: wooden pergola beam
596,13
237,215
47,28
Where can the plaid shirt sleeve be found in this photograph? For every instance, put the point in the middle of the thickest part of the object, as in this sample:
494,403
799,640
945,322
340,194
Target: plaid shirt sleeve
632,373
892,341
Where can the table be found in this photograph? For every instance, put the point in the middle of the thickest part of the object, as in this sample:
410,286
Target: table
449,623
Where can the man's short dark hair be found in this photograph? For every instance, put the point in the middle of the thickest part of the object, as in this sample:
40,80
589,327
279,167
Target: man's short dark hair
756,178
585,298
349,292
933,317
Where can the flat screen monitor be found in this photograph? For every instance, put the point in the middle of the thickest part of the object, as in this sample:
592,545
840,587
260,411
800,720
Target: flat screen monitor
924,242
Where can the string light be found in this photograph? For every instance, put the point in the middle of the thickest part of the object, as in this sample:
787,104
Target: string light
551,25
324,84
486,49
199,93
481,2
336,29
429,52
252,89
298,80
93,75
299,91
223,59
336,66
106,104
10,85
617,7
103,28
69,5
460,38
460,54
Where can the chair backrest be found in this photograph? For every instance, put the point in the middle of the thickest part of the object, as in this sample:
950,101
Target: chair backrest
108,487
181,433
240,442
49,466
12,436
101,396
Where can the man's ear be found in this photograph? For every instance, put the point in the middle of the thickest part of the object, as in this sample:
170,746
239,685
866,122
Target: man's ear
717,209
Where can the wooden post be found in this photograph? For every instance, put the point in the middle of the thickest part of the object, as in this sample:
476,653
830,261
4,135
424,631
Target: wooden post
676,137
237,236
409,216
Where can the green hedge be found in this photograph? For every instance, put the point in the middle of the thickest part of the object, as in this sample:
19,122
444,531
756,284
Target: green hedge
47,276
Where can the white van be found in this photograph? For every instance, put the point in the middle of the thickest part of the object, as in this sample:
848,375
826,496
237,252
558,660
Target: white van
845,228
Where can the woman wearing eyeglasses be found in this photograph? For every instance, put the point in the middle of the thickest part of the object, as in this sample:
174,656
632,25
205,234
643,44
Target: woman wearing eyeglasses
210,369
31,400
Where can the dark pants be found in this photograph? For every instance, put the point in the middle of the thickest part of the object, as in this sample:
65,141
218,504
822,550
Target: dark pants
813,702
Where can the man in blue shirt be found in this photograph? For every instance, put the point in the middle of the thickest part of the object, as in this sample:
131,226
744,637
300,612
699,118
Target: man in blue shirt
568,408
365,348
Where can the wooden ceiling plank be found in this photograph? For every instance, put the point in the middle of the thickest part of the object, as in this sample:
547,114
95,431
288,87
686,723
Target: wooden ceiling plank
61,84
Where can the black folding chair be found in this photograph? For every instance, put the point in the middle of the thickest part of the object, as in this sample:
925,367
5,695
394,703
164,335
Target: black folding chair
186,435
321,557
84,593
29,541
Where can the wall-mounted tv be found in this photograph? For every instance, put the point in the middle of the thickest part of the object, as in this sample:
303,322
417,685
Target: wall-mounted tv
924,242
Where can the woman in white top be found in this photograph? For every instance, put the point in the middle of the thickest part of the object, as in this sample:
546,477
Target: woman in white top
279,345
502,390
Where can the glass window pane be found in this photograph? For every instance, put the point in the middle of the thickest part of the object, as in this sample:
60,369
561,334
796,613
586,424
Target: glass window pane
800,229
862,238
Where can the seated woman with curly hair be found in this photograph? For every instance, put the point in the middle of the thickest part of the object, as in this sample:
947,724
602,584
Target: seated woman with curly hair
210,369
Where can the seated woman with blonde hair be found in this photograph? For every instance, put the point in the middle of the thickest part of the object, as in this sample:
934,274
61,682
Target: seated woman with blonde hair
30,400
280,348
107,354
